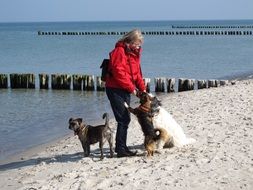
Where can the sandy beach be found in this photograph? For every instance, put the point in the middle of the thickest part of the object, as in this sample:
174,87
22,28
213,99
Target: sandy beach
220,119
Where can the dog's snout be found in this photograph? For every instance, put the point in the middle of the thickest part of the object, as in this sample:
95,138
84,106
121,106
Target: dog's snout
71,126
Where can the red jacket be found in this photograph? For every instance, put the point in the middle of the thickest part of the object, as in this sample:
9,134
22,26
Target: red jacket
125,69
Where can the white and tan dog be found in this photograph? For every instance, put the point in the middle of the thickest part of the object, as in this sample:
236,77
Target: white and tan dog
164,119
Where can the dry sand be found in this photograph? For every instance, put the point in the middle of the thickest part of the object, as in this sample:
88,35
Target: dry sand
220,119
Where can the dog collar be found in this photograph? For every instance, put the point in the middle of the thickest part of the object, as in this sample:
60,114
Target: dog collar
85,131
80,129
144,108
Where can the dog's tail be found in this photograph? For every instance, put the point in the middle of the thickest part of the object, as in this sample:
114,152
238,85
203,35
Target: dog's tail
161,134
106,117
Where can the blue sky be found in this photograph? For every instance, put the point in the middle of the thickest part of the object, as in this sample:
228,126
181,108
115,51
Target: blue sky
117,10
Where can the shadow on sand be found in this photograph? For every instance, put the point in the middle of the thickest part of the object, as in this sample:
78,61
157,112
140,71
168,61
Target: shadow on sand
62,158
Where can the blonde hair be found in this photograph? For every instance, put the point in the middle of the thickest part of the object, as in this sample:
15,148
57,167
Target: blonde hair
132,36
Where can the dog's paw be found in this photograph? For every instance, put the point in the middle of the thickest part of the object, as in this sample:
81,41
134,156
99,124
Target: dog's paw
126,105
158,151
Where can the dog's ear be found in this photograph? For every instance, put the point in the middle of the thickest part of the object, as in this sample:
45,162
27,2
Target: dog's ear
159,101
79,120
70,120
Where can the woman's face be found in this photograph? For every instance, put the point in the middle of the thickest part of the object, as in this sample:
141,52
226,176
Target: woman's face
136,44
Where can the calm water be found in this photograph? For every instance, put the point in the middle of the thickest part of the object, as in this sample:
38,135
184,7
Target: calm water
32,117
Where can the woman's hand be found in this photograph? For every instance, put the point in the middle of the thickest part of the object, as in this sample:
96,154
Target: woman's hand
134,92
138,93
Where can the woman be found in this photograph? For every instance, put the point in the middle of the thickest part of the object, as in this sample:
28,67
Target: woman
125,79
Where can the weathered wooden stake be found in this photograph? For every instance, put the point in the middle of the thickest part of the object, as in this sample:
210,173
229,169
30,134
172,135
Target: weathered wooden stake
233,82
100,84
60,81
77,82
202,84
55,81
3,81
24,80
181,84
66,82
217,82
185,84
224,82
170,85
147,84
88,82
44,80
160,84
15,80
19,80
31,81
190,84
213,83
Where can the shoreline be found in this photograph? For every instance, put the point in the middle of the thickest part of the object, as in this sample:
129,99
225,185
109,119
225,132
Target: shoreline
18,156
29,152
14,159
220,119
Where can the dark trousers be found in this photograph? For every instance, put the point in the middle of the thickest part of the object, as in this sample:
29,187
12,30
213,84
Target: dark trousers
117,97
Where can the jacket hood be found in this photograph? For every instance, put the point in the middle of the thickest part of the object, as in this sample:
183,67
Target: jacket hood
128,50
120,44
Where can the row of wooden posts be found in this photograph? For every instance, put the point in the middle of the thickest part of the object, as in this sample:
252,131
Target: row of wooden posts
192,32
212,26
88,82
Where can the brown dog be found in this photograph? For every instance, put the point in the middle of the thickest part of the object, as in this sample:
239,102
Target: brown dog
92,134
155,138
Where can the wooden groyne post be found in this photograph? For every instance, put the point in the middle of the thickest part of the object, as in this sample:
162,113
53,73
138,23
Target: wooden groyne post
31,81
202,84
22,80
185,84
44,81
100,84
3,81
88,82
60,81
160,84
77,82
224,82
18,80
171,84
147,84
213,83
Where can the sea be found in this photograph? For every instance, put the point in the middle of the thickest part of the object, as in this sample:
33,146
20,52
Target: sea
32,117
